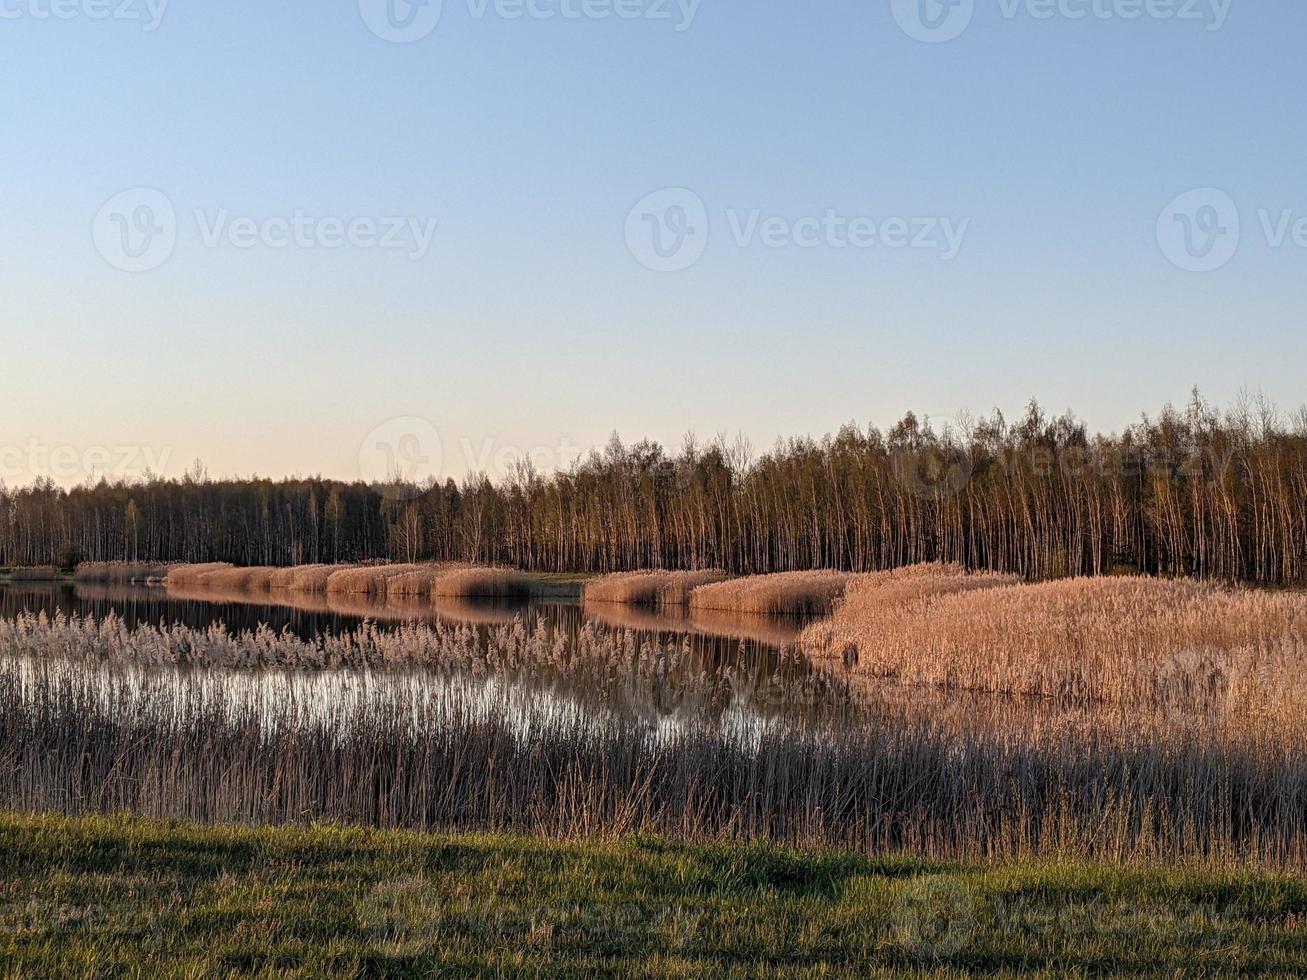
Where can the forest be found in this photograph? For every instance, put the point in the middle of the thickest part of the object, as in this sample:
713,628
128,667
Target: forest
1216,494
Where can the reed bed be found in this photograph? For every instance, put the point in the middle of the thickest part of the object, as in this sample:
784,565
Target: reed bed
482,583
658,589
242,579
122,572
233,579
367,579
610,670
308,578
194,576
302,578
786,594
1148,644
878,593
483,758
421,583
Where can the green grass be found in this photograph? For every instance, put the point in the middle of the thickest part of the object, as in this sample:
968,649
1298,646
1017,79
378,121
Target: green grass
124,896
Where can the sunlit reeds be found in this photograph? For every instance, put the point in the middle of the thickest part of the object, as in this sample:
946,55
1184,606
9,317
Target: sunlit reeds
488,755
654,588
878,594
367,579
194,576
1149,644
786,594
243,579
419,584
396,581
307,578
122,572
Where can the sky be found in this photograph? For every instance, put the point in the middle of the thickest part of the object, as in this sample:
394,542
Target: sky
343,237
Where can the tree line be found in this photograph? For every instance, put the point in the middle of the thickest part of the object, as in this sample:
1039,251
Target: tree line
1193,491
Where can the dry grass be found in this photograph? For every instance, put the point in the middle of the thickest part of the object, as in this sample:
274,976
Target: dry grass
288,579
221,577
85,732
420,584
193,576
482,583
786,594
877,594
661,589
243,579
367,579
1153,646
122,572
398,582
308,578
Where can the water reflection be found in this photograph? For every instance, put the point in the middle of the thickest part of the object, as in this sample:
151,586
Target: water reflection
706,665
674,669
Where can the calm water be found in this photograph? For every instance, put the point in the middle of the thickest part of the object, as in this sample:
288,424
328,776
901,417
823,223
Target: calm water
743,672
732,662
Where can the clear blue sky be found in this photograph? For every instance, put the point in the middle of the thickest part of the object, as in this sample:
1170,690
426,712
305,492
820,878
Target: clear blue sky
531,322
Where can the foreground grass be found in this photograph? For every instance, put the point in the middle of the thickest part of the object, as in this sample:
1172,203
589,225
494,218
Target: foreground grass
125,896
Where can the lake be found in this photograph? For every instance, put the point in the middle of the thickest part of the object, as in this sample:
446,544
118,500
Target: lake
721,664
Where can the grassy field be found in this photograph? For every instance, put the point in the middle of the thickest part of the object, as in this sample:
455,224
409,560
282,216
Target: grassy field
123,896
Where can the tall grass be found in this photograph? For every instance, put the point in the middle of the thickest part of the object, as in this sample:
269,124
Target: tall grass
1146,644
307,578
419,584
405,581
786,594
122,572
857,612
244,579
221,576
194,576
610,670
367,579
482,583
483,756
659,589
